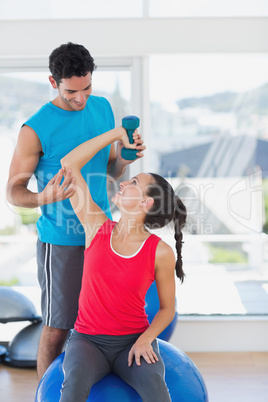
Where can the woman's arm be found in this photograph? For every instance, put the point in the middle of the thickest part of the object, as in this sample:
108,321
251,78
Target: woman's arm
88,212
165,283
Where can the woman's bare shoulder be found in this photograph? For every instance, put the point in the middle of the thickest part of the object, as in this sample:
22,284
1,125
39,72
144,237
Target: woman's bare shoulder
164,250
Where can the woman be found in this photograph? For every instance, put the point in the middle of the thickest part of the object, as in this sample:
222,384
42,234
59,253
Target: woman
112,333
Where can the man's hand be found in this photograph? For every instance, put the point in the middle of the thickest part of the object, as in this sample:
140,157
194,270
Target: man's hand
142,348
117,164
55,191
139,147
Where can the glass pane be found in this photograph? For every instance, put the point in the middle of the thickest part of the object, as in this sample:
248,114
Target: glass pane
116,87
210,139
22,95
61,9
208,8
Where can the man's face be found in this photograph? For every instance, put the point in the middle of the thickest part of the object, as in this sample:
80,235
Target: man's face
73,92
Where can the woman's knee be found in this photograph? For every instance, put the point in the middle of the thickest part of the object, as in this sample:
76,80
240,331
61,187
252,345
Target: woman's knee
154,389
83,366
74,390
149,381
77,380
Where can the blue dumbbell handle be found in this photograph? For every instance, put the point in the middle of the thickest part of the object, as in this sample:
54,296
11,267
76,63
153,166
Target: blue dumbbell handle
130,123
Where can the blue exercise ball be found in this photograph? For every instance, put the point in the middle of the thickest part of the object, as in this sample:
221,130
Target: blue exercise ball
183,379
152,307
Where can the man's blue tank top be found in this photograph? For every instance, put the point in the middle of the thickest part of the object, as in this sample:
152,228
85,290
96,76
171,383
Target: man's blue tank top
60,131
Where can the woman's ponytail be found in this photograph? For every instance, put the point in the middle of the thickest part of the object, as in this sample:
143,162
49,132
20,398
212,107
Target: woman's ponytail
167,207
179,219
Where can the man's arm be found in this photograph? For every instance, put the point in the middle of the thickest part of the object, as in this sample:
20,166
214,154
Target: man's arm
116,164
22,167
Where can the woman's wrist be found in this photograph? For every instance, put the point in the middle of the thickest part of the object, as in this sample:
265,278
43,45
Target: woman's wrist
119,133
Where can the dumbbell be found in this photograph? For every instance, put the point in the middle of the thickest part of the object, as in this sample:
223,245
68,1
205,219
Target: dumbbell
130,123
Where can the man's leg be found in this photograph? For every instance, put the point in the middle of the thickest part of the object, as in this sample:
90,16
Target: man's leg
50,346
60,271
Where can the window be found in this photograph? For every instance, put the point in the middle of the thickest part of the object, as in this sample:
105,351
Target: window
210,139
208,8
64,9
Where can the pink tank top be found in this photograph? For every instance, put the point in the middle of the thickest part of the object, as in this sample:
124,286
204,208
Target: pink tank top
112,296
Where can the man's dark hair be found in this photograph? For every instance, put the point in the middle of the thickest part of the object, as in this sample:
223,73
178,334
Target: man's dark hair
70,60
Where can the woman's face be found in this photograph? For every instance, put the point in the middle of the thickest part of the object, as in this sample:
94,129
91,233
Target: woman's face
132,193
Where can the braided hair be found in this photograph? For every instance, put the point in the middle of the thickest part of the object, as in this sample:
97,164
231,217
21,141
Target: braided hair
167,207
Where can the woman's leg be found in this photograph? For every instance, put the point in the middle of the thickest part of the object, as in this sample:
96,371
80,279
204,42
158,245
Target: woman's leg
147,379
84,365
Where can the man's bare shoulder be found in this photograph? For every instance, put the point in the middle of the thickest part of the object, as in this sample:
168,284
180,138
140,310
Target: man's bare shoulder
28,139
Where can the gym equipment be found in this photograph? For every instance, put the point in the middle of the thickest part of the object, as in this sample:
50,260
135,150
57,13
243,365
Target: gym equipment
151,308
130,123
14,306
183,379
22,350
3,352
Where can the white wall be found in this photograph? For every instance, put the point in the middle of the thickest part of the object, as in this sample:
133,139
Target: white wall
221,334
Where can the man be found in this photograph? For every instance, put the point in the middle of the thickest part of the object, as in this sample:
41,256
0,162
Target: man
73,117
